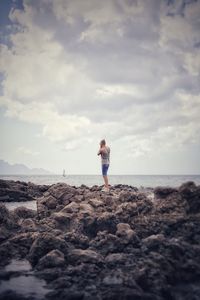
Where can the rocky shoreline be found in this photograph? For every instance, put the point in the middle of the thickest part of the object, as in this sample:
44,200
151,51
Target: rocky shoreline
88,244
19,191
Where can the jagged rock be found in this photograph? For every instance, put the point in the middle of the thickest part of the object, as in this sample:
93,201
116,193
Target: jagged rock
116,258
109,246
88,224
125,187
56,198
109,201
163,192
79,240
12,295
6,252
28,225
20,191
7,219
126,196
54,258
61,191
16,246
95,188
25,213
14,195
153,241
124,230
91,195
43,244
191,194
144,205
73,207
50,202
106,221
4,214
127,235
112,279
80,255
4,233
42,209
127,210
62,218
96,203
86,209
77,198
24,240
106,243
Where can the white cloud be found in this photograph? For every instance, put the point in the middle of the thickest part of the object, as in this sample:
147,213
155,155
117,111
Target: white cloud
77,144
98,70
172,31
66,127
190,107
161,141
180,26
27,151
192,62
103,20
107,91
56,127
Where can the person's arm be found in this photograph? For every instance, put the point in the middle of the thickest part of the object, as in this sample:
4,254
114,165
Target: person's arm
102,150
99,152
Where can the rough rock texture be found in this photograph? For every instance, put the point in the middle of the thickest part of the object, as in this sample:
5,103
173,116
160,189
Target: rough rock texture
43,244
52,259
125,244
25,213
20,191
163,192
191,193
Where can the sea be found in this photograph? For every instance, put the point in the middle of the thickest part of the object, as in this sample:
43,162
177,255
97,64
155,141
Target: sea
91,180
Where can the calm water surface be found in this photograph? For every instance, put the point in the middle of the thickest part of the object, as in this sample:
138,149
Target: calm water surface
90,180
26,283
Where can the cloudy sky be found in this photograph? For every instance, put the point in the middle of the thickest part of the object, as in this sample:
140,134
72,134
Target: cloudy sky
75,71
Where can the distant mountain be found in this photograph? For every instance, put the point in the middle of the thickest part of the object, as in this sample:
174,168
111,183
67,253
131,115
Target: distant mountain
20,169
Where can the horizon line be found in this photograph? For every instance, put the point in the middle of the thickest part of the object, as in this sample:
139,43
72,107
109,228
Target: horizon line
55,174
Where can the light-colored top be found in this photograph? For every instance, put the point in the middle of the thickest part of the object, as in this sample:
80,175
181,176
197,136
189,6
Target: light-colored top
105,156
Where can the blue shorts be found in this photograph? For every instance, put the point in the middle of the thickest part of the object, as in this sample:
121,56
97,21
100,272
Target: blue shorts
105,170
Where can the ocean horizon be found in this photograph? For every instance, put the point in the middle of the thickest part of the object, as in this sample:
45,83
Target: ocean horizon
90,180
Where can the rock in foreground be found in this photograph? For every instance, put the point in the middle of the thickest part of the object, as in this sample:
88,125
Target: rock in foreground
126,244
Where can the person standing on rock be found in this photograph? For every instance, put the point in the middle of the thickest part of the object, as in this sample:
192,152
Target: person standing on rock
104,151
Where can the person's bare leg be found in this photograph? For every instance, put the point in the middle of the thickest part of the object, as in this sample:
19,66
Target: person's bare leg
106,181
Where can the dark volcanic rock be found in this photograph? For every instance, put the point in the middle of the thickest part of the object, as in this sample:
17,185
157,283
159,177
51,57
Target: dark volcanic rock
20,191
126,196
4,233
56,198
152,242
24,213
126,234
106,221
85,256
11,295
163,192
43,244
28,225
125,244
191,193
7,219
54,258
4,214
